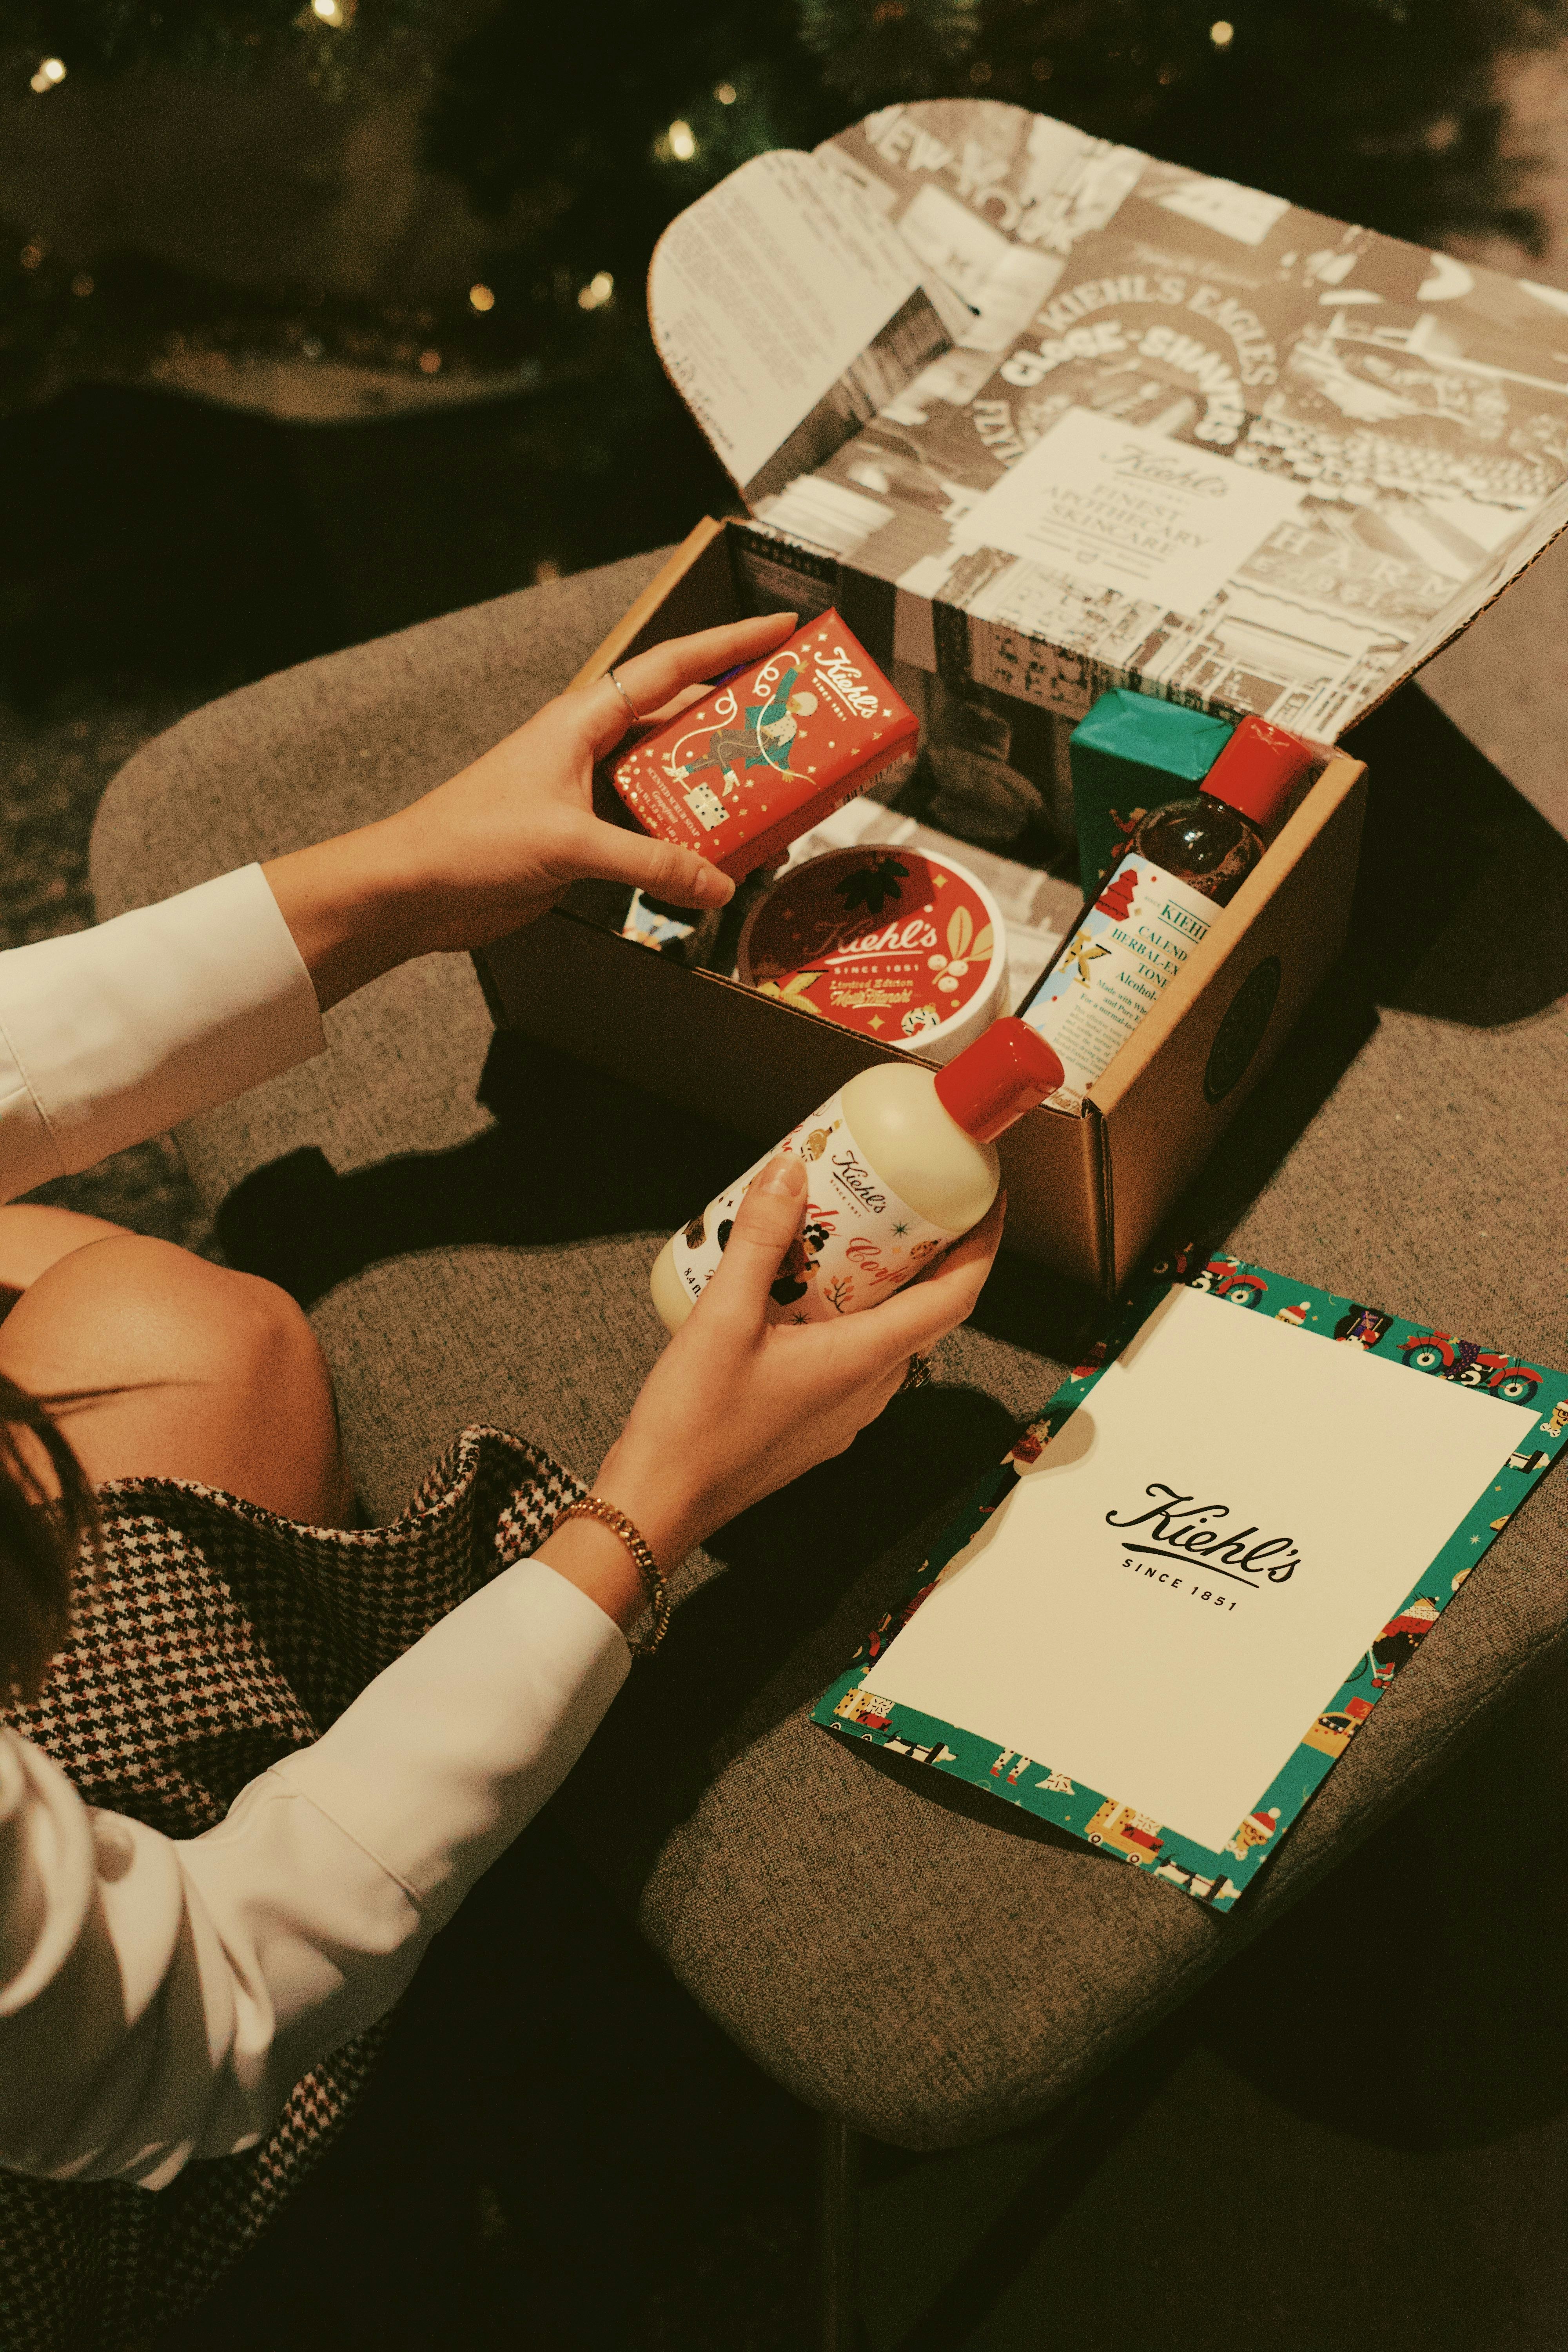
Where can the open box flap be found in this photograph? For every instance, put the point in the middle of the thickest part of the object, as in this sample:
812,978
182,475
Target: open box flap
1116,422
787,309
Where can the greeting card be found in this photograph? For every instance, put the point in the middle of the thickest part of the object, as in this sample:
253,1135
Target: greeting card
1164,1618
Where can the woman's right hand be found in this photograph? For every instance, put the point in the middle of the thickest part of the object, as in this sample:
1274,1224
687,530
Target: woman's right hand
495,847
738,1406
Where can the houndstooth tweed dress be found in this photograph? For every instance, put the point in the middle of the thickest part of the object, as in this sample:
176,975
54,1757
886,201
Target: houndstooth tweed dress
218,1639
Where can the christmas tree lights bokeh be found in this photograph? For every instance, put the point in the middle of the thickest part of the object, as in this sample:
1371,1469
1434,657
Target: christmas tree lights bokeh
573,141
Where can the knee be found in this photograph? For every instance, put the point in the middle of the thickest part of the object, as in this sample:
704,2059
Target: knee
143,1310
34,1238
230,1335
196,1373
243,1328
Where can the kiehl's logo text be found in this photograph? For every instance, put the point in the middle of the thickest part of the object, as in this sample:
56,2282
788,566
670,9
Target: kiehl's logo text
1144,465
1193,926
842,679
1177,1526
857,1178
912,936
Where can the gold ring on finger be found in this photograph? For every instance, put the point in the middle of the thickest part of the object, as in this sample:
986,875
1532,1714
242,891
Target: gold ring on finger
626,698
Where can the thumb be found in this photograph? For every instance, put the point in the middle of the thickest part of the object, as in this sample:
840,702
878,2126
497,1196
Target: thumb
609,853
766,1223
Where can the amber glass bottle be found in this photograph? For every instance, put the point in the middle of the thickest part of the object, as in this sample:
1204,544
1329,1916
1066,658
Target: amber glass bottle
1212,841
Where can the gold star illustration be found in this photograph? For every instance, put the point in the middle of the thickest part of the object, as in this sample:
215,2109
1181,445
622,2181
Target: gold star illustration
1083,952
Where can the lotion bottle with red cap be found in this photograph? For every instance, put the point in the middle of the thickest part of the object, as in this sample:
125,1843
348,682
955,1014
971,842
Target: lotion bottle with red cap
899,1163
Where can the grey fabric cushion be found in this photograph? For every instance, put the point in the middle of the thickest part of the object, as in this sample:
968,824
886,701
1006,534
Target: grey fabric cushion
891,1946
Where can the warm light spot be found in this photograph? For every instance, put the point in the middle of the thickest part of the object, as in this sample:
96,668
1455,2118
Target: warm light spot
597,292
725,94
480,297
1222,33
682,141
31,255
428,363
81,283
329,11
49,73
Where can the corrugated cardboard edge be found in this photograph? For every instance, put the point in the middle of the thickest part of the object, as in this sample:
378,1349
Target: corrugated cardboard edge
1294,910
654,338
1458,631
632,622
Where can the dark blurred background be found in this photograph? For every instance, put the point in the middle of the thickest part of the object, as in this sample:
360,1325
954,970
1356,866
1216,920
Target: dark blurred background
318,317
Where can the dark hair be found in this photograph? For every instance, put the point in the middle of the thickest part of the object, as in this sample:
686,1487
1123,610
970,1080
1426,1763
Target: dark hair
41,1534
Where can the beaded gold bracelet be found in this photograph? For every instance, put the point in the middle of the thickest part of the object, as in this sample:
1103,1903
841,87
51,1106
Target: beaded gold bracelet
593,1506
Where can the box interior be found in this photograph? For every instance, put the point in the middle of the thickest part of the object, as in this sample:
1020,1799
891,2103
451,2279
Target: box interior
1086,1193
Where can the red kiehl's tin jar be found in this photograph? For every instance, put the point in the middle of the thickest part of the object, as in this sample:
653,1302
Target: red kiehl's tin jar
898,943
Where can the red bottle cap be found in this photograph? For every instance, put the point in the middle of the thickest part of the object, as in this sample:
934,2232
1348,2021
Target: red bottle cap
1003,1073
1258,769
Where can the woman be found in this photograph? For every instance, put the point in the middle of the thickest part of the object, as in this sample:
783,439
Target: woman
171,1997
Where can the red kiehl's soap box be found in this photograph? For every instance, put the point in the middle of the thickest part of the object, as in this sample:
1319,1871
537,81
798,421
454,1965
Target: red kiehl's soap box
740,774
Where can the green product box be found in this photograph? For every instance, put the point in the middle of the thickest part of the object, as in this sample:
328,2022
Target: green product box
1135,752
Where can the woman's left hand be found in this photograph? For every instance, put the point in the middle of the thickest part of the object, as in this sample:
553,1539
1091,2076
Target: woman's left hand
494,848
738,1406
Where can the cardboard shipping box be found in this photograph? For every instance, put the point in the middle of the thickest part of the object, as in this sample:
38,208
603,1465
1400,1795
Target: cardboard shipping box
1040,415
1085,1194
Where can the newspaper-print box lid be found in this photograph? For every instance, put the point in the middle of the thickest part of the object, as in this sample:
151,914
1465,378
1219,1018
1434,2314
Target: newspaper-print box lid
1059,416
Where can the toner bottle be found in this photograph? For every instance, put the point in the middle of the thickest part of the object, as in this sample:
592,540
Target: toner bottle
899,1163
1158,903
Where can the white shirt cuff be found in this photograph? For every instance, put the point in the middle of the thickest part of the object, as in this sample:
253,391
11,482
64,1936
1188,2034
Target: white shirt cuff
112,1035
437,1764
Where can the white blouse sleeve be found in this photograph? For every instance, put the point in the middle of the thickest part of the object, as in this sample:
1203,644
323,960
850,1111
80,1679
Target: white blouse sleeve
160,1997
112,1035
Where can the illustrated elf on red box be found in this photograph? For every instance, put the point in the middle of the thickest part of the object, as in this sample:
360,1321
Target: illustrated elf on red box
769,754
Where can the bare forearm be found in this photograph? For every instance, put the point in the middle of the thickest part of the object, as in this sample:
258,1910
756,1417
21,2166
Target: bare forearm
493,849
594,1558
348,908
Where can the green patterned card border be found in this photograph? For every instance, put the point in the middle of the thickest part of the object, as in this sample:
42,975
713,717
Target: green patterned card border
852,1709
